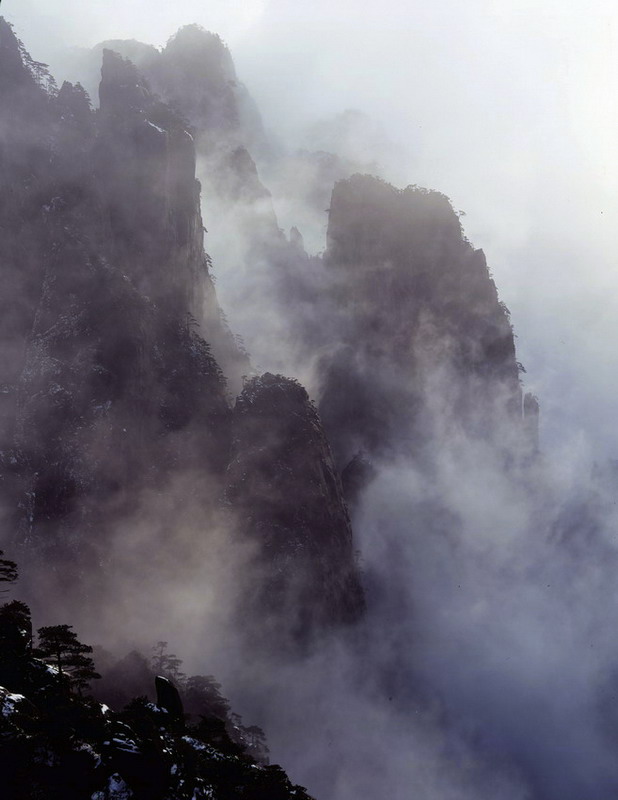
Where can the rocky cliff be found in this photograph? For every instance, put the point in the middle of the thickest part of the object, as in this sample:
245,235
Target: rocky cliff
423,345
116,383
283,483
113,375
195,75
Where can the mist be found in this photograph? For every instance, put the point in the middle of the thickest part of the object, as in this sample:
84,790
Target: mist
505,107
486,663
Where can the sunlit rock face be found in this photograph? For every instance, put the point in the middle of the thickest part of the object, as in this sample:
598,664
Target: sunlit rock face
283,484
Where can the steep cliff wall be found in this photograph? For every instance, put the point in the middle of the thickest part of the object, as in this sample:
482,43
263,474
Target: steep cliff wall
424,344
284,487
114,388
195,74
24,181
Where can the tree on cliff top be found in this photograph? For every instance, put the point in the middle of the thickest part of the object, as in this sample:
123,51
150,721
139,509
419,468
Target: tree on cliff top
8,571
60,648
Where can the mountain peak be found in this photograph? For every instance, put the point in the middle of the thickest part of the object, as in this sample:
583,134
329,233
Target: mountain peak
122,89
193,43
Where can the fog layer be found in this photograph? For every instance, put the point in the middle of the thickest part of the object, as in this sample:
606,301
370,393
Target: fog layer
485,663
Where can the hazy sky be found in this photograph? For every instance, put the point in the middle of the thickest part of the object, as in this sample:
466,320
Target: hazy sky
508,107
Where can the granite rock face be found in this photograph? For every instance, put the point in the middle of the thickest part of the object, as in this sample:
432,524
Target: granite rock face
283,484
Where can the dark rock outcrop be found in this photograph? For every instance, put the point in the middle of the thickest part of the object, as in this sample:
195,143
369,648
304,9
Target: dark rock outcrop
195,74
423,343
355,477
531,422
168,698
283,485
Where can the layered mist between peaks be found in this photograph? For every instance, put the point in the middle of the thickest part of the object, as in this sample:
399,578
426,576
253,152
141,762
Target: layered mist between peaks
136,428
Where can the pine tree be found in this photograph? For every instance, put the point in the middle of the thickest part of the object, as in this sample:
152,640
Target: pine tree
167,664
203,696
15,643
8,571
255,742
59,647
